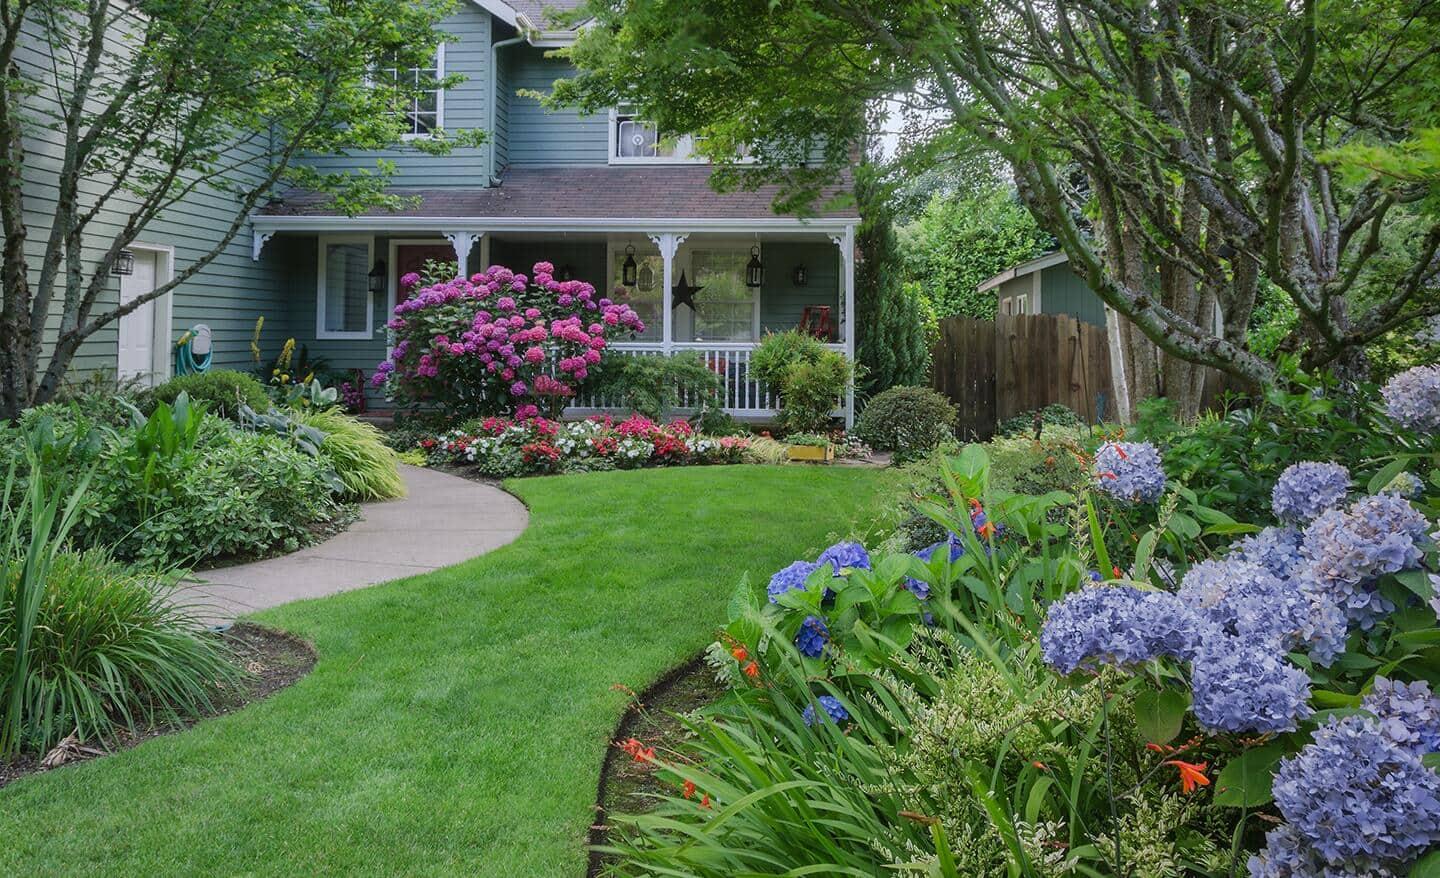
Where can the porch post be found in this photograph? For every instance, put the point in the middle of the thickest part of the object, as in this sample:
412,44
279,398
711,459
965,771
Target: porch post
846,243
463,242
669,243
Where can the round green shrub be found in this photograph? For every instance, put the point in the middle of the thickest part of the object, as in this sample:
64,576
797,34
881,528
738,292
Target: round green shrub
222,390
906,420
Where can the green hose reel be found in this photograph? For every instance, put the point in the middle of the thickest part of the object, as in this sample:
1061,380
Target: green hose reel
193,350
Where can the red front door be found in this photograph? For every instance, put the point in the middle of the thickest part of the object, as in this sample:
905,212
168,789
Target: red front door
412,257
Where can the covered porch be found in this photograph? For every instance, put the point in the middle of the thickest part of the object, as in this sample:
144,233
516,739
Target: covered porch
694,283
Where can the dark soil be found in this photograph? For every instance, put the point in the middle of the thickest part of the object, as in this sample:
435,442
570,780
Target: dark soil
271,660
628,786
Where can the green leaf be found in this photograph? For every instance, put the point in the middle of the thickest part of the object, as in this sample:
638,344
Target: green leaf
1245,781
1184,525
742,599
1386,475
1417,581
1431,760
1327,698
1159,715
1427,866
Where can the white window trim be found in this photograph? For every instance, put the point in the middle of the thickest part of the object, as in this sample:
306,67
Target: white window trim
684,148
439,97
321,333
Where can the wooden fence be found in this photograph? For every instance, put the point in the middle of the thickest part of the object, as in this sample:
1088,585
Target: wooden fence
993,370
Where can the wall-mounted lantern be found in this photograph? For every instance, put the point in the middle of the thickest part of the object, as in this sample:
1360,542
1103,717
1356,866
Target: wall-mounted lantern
124,263
800,277
628,270
377,277
754,270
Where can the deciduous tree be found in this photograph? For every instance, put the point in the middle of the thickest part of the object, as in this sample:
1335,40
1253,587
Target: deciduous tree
155,101
1179,150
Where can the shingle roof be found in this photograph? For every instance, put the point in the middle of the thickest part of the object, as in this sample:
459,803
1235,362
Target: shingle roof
638,192
536,10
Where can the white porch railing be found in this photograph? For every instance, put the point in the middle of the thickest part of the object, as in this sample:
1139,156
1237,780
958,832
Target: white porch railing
741,395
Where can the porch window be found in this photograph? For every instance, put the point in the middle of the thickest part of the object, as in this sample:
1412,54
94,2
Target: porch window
647,296
727,309
423,112
343,295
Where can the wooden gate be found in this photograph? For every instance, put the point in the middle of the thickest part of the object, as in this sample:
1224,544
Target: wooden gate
993,370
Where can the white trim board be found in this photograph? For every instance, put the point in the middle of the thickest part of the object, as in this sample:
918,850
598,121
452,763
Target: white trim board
161,341
266,225
1037,264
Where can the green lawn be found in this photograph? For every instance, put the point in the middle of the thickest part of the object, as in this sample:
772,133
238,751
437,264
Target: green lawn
456,721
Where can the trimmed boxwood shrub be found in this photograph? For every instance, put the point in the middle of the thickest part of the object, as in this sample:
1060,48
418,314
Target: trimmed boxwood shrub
906,420
222,391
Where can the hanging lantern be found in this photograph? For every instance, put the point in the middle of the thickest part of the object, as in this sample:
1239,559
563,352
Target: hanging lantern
566,272
754,270
124,263
800,277
377,277
647,277
628,270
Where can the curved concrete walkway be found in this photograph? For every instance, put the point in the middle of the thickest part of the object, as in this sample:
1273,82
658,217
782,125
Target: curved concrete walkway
443,520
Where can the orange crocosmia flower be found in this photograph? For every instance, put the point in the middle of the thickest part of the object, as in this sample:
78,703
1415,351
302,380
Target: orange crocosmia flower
751,669
1158,748
689,789
1040,765
1192,774
705,801
740,653
1120,451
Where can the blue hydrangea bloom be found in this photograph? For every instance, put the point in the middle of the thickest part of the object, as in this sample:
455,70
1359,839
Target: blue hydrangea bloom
920,588
1412,398
1353,794
1130,471
792,578
1407,713
1277,549
1243,685
1288,855
1304,490
1348,550
1117,625
845,555
834,711
1241,598
812,637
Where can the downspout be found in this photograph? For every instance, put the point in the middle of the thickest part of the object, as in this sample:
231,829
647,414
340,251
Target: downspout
491,179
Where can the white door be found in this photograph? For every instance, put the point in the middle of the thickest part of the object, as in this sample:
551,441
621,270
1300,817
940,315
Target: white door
137,329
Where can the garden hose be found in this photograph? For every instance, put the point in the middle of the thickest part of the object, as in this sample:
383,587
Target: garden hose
192,351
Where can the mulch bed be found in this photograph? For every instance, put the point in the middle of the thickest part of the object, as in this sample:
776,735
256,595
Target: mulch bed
627,786
272,659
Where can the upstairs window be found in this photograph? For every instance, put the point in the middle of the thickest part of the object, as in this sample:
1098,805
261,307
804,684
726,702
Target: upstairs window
635,140
424,110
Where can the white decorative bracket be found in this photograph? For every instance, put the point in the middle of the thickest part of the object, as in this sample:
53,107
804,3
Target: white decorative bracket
257,244
668,242
463,242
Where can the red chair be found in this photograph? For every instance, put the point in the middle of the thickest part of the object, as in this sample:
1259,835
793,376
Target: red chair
815,320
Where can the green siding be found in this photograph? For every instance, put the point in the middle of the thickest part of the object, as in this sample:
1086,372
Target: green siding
540,138
1062,291
228,294
467,52
781,302
586,258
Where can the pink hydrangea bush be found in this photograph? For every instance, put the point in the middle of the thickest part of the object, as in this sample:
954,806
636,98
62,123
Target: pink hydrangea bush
501,342
503,447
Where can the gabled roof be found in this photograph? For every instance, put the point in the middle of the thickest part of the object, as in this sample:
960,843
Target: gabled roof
658,192
535,17
1039,263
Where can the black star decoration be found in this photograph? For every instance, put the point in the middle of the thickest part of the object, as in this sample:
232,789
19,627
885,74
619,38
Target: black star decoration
684,294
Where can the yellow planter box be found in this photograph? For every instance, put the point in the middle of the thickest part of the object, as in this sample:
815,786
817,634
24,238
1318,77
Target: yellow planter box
812,453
